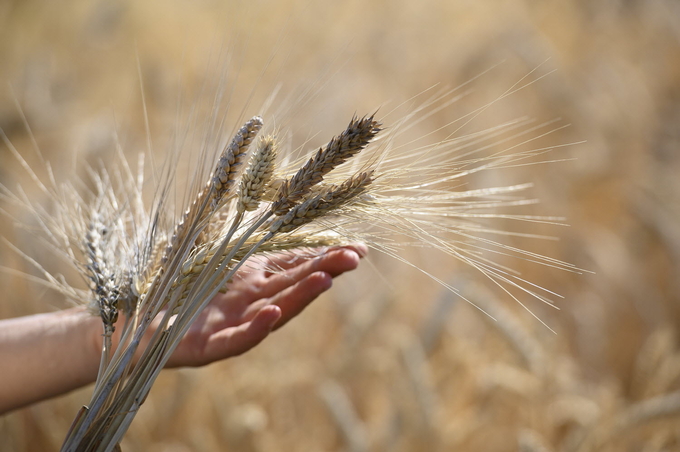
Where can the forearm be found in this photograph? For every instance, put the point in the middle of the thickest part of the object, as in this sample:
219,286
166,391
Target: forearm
45,355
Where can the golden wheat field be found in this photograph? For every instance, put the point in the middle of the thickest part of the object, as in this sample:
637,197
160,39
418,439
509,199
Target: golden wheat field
389,359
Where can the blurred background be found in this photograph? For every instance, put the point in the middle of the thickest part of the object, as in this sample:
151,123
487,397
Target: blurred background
388,359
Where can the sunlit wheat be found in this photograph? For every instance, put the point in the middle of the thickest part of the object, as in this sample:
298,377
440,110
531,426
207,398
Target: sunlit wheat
364,185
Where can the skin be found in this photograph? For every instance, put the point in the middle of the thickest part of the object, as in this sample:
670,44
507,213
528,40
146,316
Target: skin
46,355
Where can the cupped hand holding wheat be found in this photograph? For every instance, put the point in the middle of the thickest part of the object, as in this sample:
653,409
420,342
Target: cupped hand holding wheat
259,301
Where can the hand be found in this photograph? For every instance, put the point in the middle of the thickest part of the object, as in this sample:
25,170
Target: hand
259,301
49,353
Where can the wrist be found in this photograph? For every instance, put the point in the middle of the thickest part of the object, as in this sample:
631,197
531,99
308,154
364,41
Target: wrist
90,328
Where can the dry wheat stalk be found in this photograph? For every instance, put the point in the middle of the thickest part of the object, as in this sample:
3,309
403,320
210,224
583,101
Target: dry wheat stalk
344,415
632,417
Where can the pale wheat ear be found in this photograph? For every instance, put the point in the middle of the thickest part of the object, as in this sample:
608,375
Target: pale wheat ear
227,170
217,189
258,175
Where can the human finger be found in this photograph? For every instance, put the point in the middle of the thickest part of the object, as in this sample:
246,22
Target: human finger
297,297
334,263
234,341
276,263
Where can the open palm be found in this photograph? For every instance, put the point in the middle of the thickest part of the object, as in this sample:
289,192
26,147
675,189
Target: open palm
259,301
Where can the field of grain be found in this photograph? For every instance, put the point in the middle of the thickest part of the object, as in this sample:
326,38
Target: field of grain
389,359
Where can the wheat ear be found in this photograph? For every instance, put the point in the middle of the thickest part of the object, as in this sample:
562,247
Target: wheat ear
103,279
349,143
232,158
258,175
218,187
330,199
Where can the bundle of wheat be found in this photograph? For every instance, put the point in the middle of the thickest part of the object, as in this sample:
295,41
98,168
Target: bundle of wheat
163,274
